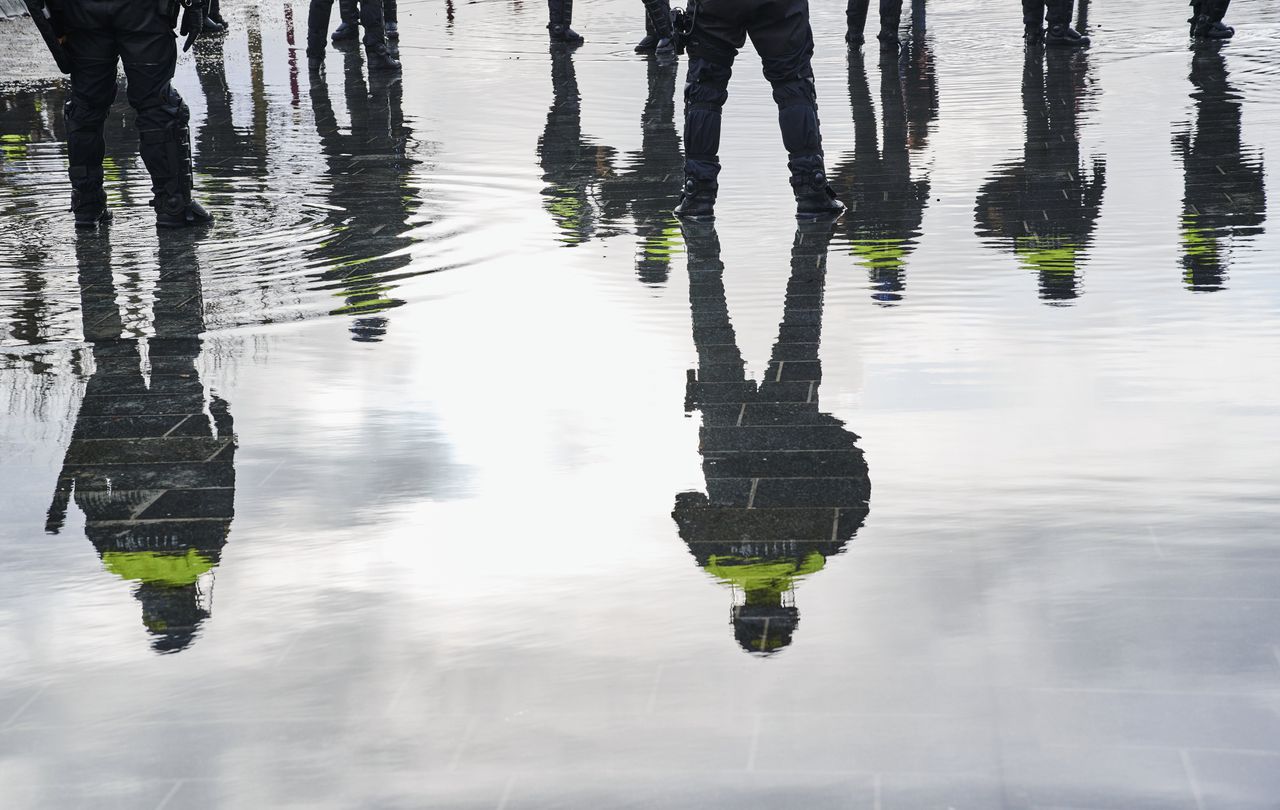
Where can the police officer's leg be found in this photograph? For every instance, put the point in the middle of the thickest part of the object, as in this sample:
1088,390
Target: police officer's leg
349,28
1207,22
890,20
94,56
150,54
1060,31
856,17
658,23
375,37
318,14
785,45
560,22
713,46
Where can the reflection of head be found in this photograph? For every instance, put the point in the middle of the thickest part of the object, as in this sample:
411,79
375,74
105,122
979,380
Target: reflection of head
151,459
787,486
1044,207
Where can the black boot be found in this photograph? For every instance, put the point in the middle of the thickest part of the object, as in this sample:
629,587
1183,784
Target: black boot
381,59
890,21
650,42
560,22
698,200
90,207
1207,29
815,199
1064,36
349,29
658,21
166,151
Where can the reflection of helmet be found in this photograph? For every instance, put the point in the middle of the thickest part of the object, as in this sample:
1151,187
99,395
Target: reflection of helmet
764,629
171,614
1055,258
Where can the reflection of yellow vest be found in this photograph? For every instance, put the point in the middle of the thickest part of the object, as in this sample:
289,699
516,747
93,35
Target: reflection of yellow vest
662,246
157,568
1198,242
566,210
881,254
1052,255
763,581
14,147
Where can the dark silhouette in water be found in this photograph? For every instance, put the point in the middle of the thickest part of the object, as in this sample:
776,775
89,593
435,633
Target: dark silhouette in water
645,189
886,204
1225,197
371,194
151,462
572,166
1045,206
787,486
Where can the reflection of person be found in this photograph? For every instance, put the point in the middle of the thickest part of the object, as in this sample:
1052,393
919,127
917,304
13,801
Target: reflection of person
787,487
643,189
1225,194
98,36
371,196
890,18
883,222
1046,205
151,462
572,166
781,34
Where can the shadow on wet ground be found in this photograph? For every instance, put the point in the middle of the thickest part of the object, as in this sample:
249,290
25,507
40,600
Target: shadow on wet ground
448,470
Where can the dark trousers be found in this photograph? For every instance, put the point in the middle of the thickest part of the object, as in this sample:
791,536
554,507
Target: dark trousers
780,32
99,35
368,12
1215,10
1055,12
890,16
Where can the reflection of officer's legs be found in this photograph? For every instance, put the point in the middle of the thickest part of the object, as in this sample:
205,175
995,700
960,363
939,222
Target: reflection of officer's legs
93,89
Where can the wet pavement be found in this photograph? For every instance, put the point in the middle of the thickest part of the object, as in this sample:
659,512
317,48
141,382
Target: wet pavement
448,471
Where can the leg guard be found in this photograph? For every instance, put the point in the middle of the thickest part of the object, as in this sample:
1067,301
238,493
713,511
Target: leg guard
797,101
658,15
705,93
164,139
86,148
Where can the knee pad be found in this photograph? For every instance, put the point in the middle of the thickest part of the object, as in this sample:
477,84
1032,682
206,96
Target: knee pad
707,86
81,116
796,92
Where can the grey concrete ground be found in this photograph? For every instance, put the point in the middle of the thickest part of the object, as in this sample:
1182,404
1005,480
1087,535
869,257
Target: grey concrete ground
448,470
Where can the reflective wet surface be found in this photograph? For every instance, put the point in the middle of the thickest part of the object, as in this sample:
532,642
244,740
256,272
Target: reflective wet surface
448,470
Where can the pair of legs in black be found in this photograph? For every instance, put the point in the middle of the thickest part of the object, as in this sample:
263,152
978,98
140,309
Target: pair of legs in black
890,19
657,28
1206,19
349,27
100,35
370,13
1058,15
781,34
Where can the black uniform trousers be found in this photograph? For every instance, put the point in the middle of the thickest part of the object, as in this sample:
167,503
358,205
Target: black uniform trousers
781,34
367,12
890,16
1055,12
101,33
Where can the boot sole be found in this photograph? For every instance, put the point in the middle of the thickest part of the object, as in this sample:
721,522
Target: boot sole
175,226
89,225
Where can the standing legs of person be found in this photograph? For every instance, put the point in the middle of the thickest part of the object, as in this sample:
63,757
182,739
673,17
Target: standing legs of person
705,92
560,22
93,90
1058,16
1206,19
890,19
349,27
318,14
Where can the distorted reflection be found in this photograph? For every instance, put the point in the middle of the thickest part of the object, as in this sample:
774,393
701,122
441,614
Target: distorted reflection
572,165
231,160
151,463
644,190
371,196
1225,198
886,203
1045,206
787,487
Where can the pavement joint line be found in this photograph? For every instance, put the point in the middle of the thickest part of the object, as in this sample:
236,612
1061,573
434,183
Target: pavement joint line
26,704
1191,778
506,793
274,470
169,796
755,740
456,758
751,499
653,691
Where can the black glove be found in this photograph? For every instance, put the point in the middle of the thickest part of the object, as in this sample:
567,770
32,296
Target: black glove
192,23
